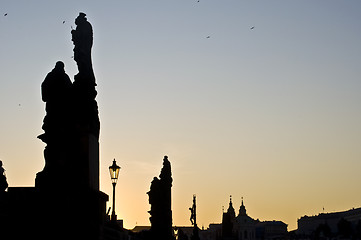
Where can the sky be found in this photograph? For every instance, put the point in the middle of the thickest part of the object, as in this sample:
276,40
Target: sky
271,114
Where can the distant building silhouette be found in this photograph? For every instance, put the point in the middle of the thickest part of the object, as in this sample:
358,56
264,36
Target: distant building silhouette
271,230
228,223
240,227
243,227
335,224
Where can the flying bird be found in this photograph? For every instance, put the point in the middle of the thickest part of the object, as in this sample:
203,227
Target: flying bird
208,36
5,14
252,27
63,22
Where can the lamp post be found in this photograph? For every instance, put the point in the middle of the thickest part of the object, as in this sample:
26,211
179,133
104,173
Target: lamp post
114,172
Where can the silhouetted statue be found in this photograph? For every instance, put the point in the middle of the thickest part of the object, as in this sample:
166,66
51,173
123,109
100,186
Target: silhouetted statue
84,82
56,93
86,116
160,200
3,182
193,219
82,38
72,123
68,186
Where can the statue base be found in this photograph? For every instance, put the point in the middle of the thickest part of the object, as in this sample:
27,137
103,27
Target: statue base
27,213
71,166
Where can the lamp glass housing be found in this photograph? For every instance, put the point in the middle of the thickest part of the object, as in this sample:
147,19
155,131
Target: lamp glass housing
114,172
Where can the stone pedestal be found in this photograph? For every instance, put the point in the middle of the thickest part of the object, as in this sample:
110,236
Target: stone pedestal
91,151
79,168
28,213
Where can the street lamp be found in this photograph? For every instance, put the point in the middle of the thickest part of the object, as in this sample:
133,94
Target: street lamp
114,172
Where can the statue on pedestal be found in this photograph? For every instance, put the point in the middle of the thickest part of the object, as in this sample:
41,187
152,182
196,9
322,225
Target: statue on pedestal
84,81
71,124
66,202
161,207
193,219
56,91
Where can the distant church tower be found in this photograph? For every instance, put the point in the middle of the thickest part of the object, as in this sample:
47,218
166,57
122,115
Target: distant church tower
245,226
242,209
228,221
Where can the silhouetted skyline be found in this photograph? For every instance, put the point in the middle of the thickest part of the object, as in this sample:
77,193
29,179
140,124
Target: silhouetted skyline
270,113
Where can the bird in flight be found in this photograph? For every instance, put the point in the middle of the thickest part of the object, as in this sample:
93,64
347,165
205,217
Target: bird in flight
63,22
208,36
5,14
252,27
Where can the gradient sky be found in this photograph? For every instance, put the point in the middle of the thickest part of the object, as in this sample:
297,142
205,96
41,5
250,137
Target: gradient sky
270,114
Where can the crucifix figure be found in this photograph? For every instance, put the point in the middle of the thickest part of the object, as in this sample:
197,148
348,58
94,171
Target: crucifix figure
193,218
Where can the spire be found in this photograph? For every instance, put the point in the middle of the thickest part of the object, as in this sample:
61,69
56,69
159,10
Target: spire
242,209
230,208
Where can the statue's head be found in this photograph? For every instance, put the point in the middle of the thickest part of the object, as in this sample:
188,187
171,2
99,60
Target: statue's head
59,65
80,18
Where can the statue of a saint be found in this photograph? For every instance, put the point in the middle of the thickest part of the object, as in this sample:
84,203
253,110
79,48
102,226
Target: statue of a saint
56,91
82,38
